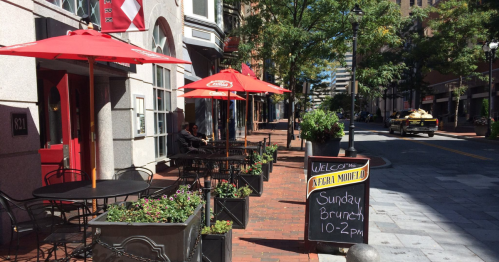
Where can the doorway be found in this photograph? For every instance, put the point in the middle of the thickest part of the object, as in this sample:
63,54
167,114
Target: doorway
64,121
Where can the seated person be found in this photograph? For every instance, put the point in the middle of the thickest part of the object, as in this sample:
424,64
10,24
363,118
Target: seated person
194,132
186,138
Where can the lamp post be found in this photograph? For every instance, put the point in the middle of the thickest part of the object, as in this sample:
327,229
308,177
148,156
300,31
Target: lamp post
490,51
355,18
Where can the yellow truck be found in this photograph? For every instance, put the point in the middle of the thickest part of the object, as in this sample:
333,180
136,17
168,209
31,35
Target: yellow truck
405,122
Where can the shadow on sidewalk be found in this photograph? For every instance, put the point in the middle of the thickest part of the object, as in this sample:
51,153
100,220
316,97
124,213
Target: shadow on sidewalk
292,202
282,244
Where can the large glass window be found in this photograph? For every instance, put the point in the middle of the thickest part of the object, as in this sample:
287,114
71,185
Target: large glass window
80,8
140,116
162,111
163,130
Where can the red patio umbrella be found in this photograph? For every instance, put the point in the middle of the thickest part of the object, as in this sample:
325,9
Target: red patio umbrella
230,80
92,46
220,95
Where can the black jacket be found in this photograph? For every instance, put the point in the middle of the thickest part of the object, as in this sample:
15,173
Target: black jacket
186,138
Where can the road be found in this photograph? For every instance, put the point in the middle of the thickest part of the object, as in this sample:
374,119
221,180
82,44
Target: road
438,202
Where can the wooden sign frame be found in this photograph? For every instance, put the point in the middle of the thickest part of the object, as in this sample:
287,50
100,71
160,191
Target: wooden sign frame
311,245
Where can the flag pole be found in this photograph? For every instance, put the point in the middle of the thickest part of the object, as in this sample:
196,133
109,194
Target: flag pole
246,123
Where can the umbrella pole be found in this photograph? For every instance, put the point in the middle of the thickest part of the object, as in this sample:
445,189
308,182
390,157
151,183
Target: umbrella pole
246,122
227,128
91,61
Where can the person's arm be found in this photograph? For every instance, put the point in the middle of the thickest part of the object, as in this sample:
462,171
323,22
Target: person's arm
190,137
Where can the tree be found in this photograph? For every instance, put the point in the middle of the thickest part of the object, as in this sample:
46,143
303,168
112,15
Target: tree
300,36
457,29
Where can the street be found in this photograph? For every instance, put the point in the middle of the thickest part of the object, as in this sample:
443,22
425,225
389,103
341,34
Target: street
438,202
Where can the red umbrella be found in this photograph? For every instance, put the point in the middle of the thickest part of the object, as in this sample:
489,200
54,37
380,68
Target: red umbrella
230,80
92,46
202,93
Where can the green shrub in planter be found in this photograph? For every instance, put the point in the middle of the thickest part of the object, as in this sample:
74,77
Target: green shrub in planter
324,130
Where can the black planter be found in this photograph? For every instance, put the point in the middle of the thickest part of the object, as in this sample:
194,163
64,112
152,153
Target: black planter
255,182
330,148
233,209
266,171
271,167
159,241
217,247
275,157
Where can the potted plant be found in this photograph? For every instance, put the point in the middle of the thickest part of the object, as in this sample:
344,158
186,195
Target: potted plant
232,203
324,130
148,227
272,150
266,162
481,126
252,177
217,241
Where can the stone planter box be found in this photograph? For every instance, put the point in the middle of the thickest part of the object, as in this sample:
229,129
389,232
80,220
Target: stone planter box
266,171
233,209
174,242
481,130
217,247
255,182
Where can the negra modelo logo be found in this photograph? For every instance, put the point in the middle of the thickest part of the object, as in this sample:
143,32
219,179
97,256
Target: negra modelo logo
150,54
215,93
220,84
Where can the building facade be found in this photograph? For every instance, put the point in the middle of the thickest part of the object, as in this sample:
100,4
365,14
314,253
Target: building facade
137,112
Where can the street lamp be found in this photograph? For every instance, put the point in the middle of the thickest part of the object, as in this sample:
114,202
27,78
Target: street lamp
490,51
355,18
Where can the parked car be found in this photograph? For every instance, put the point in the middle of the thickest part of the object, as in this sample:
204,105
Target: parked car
413,125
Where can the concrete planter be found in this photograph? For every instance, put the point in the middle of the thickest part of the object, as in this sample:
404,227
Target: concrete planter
481,130
329,148
233,209
217,247
173,242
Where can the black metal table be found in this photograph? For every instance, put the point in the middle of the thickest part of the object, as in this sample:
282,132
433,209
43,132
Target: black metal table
82,190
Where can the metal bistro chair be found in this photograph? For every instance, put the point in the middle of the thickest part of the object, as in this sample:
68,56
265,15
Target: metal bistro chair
9,205
136,174
64,176
57,233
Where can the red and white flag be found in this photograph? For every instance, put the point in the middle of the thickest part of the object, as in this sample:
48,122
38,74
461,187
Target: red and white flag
122,16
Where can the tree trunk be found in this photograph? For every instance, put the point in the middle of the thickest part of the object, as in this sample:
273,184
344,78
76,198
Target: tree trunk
292,84
457,101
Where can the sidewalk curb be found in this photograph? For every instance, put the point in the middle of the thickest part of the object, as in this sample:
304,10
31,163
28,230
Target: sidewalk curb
480,140
387,164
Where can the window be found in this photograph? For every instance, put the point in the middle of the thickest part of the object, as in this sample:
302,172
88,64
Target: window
140,116
420,2
80,8
430,2
412,2
163,130
162,110
399,2
200,7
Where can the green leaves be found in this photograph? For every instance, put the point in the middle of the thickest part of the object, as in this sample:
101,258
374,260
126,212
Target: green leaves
220,227
169,209
320,126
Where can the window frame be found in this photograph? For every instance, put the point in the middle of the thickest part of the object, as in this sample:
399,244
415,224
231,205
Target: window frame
75,12
206,8
164,111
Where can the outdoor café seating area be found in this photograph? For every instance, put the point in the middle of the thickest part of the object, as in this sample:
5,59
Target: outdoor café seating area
57,217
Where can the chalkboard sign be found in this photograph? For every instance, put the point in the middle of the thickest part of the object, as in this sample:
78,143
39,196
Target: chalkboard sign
19,124
337,207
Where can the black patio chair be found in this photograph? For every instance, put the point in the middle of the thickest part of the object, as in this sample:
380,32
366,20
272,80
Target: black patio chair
135,174
44,222
64,176
9,205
